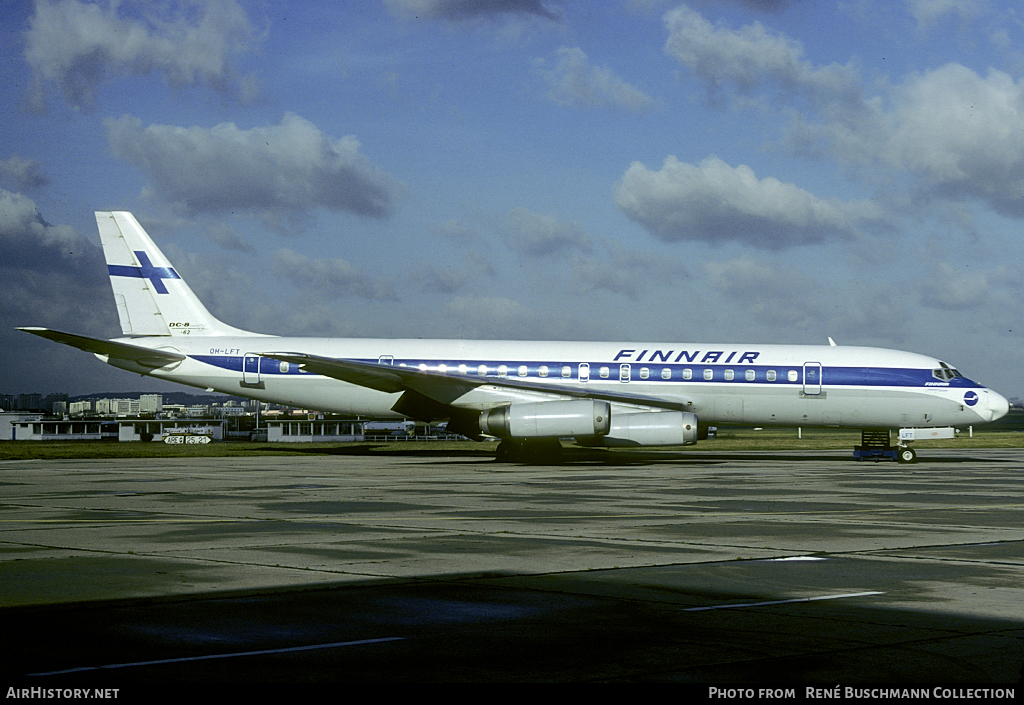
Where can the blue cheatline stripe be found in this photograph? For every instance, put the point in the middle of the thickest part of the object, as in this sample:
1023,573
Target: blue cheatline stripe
155,275
830,376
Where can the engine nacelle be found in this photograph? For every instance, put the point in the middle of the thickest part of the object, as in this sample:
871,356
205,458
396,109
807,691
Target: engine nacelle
548,419
653,428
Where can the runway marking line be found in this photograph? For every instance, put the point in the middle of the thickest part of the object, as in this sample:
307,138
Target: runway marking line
783,602
237,654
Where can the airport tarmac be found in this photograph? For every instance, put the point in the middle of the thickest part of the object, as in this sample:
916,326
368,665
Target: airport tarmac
769,568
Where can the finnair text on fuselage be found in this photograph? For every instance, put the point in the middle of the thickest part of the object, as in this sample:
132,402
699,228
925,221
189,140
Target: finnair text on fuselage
711,356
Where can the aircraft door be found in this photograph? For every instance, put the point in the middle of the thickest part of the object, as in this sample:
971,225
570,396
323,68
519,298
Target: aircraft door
812,378
251,371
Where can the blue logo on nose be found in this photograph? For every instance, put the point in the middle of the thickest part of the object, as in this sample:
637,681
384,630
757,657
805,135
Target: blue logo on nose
971,398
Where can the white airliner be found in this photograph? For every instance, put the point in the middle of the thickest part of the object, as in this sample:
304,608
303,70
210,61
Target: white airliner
529,394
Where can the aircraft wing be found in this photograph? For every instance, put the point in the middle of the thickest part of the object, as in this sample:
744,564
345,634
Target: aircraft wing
147,357
446,387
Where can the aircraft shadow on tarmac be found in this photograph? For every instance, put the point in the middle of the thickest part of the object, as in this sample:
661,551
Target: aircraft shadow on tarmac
618,457
641,625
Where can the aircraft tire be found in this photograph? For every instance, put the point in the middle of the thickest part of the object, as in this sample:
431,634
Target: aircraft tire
907,455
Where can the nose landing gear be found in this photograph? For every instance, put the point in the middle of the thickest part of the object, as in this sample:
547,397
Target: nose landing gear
907,454
875,445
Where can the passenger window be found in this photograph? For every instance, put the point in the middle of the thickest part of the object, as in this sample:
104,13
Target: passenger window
522,370
604,373
482,370
729,375
793,376
566,371
644,373
687,373
750,375
709,374
666,373
771,375
503,370
543,371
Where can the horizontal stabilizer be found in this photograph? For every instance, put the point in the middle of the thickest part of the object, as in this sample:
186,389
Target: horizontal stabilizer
146,357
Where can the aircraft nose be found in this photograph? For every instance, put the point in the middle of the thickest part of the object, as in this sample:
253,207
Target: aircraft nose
998,406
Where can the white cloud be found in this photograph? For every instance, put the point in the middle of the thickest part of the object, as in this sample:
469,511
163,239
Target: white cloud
494,317
227,238
783,299
715,202
779,297
960,136
625,271
440,279
330,278
927,12
20,222
949,287
961,133
24,173
540,235
289,168
752,58
52,276
574,81
466,9
77,44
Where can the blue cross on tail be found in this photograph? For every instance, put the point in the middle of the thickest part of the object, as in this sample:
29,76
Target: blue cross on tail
155,275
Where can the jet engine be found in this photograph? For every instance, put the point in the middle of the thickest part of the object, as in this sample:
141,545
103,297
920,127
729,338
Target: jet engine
548,419
591,422
652,428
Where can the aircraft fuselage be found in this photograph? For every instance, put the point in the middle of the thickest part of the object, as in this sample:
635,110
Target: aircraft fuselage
783,385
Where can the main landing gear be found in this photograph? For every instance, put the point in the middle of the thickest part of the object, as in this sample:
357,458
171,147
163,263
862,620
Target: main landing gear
875,445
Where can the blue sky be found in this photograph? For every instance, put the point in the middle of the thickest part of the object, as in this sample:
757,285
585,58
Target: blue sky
729,171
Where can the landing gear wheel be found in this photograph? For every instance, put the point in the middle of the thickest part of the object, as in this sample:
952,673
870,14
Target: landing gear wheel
907,455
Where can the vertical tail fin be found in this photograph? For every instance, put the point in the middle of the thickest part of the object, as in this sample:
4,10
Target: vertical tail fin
151,298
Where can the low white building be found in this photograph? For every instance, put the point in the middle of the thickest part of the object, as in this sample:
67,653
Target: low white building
157,429
39,428
313,431
9,421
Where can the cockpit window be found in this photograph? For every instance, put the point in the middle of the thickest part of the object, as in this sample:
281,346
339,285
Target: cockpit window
945,372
